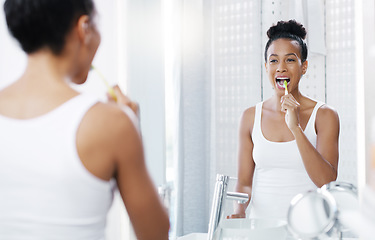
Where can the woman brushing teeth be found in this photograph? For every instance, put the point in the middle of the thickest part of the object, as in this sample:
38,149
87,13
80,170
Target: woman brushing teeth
290,140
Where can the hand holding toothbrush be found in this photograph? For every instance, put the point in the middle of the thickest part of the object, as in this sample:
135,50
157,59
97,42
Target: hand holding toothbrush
290,107
114,94
122,100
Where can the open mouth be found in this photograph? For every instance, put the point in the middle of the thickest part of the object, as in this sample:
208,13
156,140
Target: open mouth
280,81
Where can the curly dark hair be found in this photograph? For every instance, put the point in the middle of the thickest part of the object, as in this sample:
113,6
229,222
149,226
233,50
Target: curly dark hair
37,24
290,30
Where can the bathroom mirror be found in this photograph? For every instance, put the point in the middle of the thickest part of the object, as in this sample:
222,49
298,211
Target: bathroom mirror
208,121
312,214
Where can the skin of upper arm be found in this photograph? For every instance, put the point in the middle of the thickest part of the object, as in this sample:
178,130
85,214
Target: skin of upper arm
246,163
146,212
111,147
327,126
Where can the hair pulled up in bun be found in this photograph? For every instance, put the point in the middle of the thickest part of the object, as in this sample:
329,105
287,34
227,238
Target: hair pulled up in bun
291,27
290,30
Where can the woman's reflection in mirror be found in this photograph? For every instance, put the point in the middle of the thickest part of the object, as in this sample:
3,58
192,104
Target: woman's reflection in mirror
288,144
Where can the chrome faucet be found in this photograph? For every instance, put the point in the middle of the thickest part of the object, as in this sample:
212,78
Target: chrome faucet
218,202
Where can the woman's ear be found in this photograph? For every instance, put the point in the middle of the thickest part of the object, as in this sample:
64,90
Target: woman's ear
304,67
83,28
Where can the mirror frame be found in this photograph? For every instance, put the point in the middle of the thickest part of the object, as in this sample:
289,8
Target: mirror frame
333,213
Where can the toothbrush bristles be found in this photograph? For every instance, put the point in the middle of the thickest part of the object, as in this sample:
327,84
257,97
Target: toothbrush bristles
286,87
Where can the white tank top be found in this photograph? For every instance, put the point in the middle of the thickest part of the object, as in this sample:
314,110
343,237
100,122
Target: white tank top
279,170
45,190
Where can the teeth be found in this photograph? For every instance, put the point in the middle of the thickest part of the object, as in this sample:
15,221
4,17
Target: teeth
280,81
281,84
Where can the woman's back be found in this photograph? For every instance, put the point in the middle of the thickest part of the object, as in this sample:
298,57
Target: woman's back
46,191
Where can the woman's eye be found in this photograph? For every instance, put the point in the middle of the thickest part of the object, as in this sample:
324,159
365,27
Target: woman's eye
273,61
290,60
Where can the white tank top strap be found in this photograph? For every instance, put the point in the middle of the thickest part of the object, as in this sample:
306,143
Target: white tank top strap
310,128
256,133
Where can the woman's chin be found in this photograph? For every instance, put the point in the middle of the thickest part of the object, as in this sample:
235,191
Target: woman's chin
79,79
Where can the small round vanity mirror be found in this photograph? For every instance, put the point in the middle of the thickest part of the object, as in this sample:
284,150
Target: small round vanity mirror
346,197
345,194
312,214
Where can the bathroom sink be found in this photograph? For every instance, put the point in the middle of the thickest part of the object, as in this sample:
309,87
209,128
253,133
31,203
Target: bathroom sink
250,229
246,229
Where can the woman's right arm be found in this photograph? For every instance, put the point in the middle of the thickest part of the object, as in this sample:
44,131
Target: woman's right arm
145,209
246,163
146,212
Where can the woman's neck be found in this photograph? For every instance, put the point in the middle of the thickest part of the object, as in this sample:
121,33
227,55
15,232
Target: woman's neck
44,66
46,75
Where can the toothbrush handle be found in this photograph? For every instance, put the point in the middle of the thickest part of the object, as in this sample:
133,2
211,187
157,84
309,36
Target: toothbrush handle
286,87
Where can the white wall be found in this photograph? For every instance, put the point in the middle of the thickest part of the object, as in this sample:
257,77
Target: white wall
145,77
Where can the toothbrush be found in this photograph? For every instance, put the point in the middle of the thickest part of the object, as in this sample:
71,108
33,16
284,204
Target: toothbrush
110,89
286,87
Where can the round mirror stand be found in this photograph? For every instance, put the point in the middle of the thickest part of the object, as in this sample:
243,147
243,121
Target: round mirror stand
316,214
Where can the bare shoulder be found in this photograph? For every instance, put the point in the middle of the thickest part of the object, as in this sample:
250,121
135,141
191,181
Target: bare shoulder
249,113
247,120
106,136
107,120
327,118
248,116
326,112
